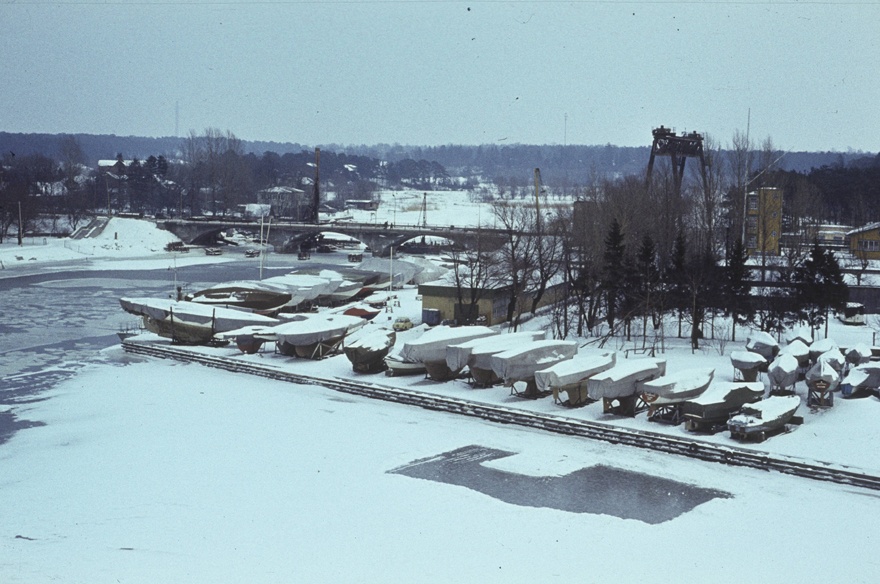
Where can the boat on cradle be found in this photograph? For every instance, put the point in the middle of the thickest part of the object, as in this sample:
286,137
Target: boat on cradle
822,380
311,336
395,366
618,386
783,372
570,376
711,410
674,388
430,348
748,364
759,420
764,344
476,354
252,294
520,363
247,338
367,353
861,379
190,322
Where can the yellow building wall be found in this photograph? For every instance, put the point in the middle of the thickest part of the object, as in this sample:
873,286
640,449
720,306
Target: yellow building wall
865,244
764,221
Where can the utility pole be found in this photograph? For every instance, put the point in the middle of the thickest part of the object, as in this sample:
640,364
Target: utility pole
20,227
316,200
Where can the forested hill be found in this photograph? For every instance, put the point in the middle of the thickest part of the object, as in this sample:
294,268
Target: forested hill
576,163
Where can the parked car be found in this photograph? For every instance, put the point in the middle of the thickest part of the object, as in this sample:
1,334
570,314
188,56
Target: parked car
402,323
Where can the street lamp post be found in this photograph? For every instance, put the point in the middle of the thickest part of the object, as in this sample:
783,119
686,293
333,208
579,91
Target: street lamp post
394,215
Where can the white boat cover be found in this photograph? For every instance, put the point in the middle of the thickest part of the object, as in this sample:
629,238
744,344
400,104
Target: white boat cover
783,371
823,346
680,384
303,287
717,392
762,343
834,358
823,371
250,330
797,349
580,367
521,363
308,329
217,318
621,380
764,411
746,360
431,346
858,354
460,356
866,375
376,340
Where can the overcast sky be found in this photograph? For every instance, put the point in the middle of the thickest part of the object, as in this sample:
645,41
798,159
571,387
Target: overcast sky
429,73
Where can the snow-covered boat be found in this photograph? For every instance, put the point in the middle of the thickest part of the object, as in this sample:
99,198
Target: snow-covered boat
718,402
762,343
430,348
858,354
864,377
476,354
822,346
834,358
823,376
252,294
521,362
755,421
674,388
190,322
367,353
571,376
748,363
783,372
311,336
246,338
622,380
395,366
799,350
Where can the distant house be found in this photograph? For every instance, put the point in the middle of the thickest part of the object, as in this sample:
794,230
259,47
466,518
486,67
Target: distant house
284,201
492,304
864,242
362,204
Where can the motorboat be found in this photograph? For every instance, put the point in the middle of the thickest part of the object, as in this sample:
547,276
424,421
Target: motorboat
476,354
190,322
858,354
520,363
621,381
571,376
395,366
834,358
311,336
755,421
799,350
674,388
430,348
366,312
367,353
715,405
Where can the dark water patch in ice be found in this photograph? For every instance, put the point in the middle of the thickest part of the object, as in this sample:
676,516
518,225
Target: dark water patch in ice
596,490
10,424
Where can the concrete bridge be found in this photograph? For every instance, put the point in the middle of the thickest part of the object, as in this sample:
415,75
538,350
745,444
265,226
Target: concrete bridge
287,237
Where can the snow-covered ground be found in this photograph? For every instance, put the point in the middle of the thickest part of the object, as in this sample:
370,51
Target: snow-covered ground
148,470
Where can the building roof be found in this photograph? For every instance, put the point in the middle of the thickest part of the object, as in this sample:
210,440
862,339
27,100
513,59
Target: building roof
868,227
